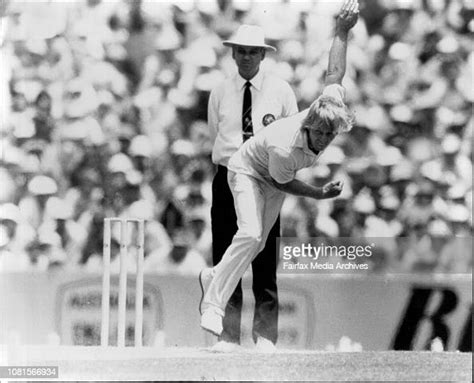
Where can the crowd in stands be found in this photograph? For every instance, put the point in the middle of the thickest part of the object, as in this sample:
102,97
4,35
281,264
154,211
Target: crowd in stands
103,114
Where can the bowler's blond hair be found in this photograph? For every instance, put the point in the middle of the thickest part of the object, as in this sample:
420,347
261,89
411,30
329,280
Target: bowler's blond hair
330,111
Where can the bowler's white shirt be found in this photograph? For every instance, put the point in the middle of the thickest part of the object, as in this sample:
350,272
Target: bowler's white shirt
270,96
279,150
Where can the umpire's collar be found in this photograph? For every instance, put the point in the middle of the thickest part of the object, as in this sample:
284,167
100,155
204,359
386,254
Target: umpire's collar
256,80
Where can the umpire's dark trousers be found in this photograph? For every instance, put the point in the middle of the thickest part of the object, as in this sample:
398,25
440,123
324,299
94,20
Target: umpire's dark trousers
264,286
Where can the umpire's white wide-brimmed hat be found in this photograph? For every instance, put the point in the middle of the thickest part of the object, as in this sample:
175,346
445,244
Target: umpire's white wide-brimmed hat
250,36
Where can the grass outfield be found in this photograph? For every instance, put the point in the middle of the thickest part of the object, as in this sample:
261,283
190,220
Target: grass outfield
81,363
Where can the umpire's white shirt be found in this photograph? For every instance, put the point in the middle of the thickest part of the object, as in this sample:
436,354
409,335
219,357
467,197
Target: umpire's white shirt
279,150
270,96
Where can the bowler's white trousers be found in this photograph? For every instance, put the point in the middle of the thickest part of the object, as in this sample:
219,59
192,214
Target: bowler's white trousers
257,205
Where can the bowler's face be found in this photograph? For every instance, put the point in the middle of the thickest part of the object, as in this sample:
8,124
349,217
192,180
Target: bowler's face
248,60
321,136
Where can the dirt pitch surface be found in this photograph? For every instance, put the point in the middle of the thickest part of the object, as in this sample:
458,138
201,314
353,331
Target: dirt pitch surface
95,363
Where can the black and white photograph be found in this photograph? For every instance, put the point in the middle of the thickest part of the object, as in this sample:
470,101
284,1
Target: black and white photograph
236,190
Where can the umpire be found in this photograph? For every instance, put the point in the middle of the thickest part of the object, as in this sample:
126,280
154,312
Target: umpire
239,107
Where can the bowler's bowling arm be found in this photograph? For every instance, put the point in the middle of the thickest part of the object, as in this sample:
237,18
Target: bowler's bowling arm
338,52
337,59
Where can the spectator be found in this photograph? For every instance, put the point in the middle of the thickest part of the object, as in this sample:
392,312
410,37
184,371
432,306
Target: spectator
33,206
11,260
71,234
45,251
182,259
423,253
18,233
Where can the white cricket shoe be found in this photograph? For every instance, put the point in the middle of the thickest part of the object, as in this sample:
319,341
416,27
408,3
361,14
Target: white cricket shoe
223,346
211,321
265,346
205,279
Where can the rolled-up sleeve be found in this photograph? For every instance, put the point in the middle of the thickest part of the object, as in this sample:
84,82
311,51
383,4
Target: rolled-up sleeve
335,90
281,165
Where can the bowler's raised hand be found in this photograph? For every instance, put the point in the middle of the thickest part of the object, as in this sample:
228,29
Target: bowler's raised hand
348,15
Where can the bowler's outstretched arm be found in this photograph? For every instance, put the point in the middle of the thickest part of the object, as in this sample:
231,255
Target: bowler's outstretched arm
346,19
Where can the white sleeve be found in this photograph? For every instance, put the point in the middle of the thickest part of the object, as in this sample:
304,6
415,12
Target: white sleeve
281,165
290,106
335,90
213,113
